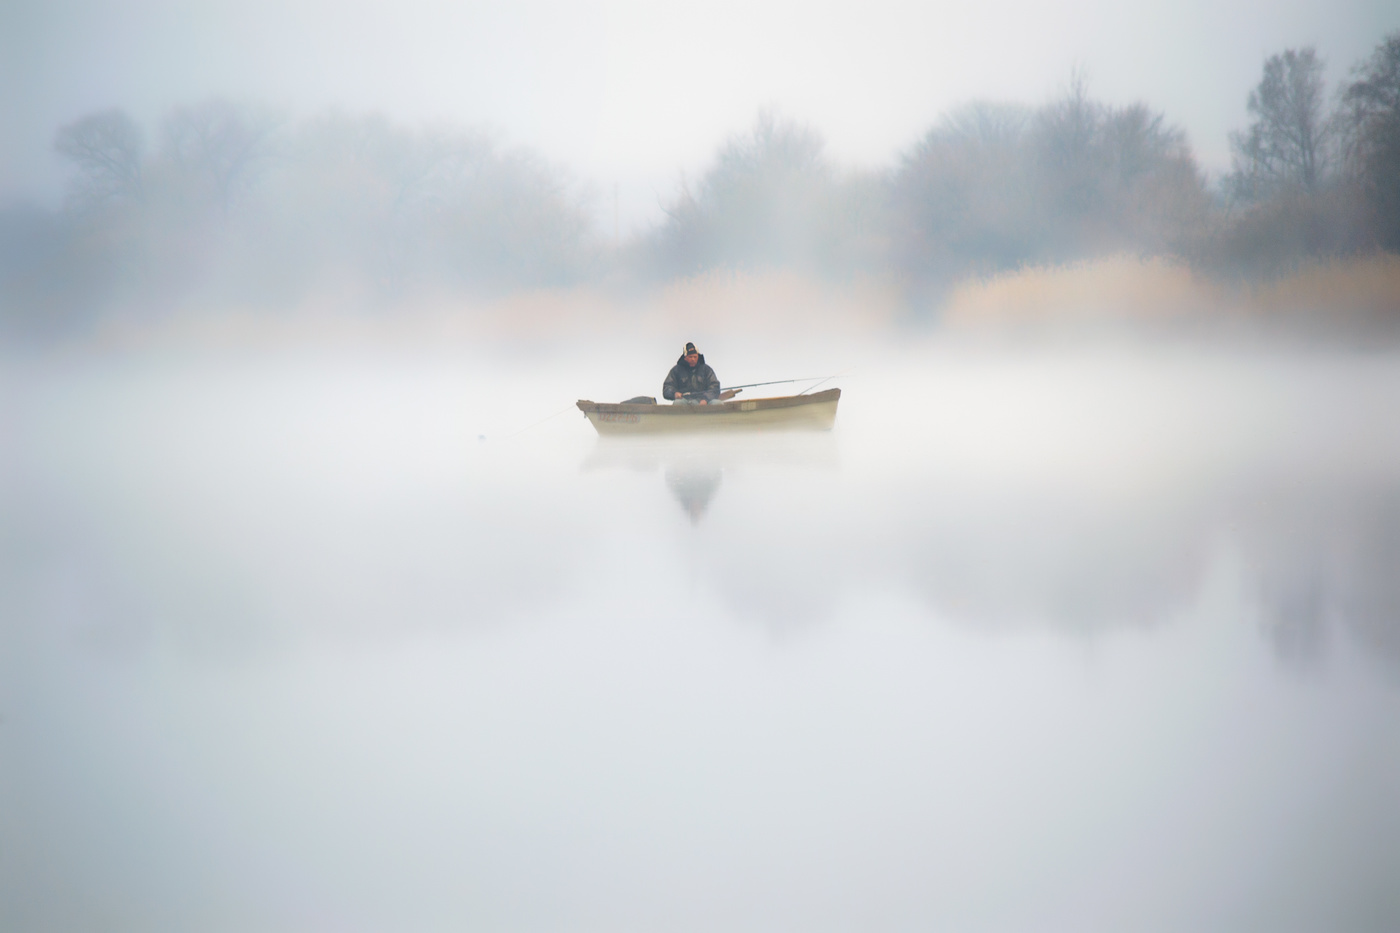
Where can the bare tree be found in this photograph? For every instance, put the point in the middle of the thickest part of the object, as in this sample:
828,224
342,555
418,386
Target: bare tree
1286,145
219,143
992,186
769,199
986,123
1139,141
405,207
1068,137
107,149
960,197
1372,117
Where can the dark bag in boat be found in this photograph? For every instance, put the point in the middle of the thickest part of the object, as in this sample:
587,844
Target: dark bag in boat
640,400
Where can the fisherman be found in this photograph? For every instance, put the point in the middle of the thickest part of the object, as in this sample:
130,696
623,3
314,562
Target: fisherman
691,381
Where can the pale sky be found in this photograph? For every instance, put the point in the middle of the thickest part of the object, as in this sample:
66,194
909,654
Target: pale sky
633,94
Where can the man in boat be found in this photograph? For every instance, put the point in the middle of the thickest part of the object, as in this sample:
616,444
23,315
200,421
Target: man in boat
691,381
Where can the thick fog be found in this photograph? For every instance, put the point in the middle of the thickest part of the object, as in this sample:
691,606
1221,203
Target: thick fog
322,605
376,637
630,93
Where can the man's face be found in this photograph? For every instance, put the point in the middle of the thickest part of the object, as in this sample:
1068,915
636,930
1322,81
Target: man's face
692,358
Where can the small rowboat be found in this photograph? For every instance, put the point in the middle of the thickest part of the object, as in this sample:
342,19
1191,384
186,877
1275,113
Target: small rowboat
815,412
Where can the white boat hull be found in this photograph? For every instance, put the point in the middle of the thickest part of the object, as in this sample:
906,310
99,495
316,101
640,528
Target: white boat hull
816,412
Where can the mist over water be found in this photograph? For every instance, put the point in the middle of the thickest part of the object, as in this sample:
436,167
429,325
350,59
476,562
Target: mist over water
323,608
1080,635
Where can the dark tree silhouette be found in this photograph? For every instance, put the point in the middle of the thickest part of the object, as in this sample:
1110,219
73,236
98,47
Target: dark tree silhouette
1071,159
1286,145
961,197
107,149
219,145
770,198
1372,104
993,186
403,206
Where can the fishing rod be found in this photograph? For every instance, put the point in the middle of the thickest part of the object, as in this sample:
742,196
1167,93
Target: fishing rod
823,382
750,385
482,437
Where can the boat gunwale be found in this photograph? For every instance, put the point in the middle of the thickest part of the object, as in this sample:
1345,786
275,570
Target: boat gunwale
714,408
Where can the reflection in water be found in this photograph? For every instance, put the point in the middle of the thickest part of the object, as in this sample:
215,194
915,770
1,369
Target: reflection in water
280,652
1294,616
1330,563
694,466
694,486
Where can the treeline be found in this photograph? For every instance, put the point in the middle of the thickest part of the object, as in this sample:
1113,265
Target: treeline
233,202
1315,174
990,187
996,186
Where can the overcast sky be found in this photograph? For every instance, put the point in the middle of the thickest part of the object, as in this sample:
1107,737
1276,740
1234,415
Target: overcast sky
633,93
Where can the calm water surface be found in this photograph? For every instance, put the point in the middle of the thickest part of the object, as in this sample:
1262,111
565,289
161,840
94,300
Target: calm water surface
1036,639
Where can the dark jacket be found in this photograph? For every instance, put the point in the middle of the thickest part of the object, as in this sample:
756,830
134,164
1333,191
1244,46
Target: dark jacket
700,382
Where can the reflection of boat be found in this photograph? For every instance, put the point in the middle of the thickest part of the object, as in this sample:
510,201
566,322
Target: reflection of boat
811,412
694,486
695,466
